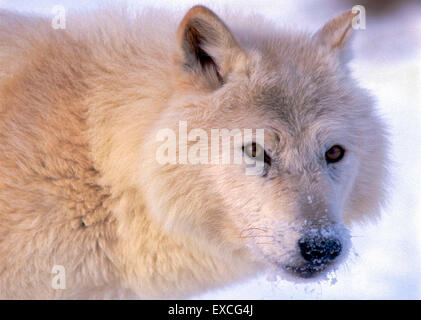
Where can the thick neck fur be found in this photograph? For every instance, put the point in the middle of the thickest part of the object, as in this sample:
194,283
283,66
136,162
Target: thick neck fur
79,205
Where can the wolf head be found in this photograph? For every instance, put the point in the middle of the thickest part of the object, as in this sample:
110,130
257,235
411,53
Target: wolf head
324,152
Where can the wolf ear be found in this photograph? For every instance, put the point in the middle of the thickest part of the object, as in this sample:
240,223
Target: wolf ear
209,50
336,33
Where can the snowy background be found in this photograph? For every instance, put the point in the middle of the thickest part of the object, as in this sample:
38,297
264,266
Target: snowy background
386,260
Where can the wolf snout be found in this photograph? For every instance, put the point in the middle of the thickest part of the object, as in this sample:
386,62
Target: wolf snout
319,250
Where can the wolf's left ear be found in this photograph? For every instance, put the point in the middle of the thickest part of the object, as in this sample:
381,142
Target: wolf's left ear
336,33
209,50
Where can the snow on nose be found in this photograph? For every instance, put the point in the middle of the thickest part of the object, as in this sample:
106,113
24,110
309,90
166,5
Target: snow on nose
319,250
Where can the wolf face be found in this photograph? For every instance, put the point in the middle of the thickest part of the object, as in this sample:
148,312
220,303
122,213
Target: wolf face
324,149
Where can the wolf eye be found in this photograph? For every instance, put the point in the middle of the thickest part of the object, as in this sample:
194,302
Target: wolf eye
256,151
334,154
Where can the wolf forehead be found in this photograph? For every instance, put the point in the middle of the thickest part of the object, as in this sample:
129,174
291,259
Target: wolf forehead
293,79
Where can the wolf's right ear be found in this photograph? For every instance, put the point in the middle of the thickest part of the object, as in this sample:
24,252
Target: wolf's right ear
209,51
335,35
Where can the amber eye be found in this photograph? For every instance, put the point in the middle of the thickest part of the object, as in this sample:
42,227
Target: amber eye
254,150
334,154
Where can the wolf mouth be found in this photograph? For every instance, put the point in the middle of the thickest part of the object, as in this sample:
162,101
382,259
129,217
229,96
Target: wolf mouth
307,270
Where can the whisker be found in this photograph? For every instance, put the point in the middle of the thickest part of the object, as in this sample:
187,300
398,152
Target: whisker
256,236
268,243
251,229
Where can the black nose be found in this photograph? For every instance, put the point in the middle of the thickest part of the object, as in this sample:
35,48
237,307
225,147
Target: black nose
319,250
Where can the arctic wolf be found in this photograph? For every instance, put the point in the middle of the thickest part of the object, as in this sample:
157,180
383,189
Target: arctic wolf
87,211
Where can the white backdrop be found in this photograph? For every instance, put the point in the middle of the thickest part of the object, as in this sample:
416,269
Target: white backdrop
386,259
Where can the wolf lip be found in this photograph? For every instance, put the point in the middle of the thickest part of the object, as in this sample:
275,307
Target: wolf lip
307,270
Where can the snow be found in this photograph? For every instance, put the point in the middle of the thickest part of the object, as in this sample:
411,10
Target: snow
385,262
